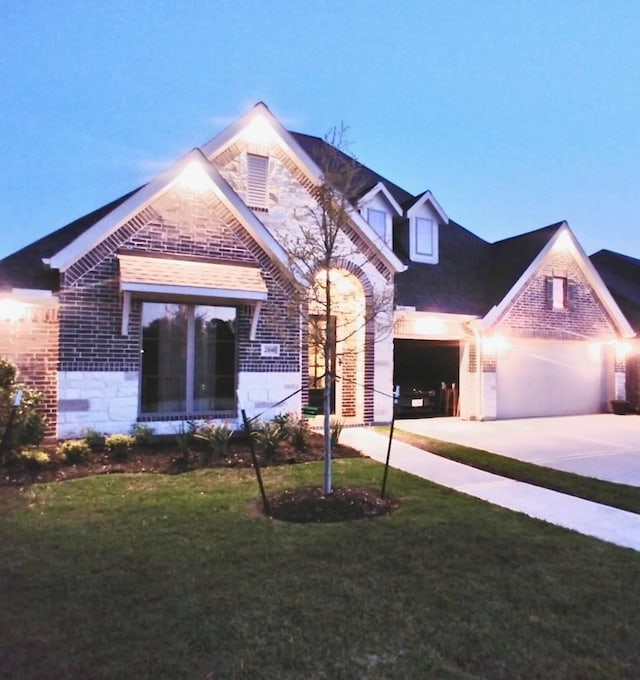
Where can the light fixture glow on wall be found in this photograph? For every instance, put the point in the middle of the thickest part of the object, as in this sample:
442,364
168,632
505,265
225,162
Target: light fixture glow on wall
13,310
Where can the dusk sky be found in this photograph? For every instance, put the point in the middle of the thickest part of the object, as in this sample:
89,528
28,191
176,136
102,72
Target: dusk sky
515,114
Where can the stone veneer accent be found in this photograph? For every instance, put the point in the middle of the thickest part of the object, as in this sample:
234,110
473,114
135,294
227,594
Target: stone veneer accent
367,379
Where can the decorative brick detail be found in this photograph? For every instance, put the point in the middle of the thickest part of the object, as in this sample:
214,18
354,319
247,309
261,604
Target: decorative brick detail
178,223
529,315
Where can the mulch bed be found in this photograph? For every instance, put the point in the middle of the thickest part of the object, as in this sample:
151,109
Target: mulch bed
305,504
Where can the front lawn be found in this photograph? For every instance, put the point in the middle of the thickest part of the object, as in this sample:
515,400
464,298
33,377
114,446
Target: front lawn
158,576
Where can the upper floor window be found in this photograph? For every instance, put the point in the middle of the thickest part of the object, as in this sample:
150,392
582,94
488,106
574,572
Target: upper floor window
378,221
257,168
424,240
559,296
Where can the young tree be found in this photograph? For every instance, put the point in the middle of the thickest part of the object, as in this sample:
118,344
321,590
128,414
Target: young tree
317,251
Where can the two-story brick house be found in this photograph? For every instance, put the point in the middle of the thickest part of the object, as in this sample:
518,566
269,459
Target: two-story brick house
173,302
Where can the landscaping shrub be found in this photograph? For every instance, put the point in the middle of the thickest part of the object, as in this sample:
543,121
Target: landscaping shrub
28,423
298,432
217,438
268,436
34,459
142,434
337,426
73,451
119,445
94,439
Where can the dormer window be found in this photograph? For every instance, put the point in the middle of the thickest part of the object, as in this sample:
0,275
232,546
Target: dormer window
257,168
378,221
424,240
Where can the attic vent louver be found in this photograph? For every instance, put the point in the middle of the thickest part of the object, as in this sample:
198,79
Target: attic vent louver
257,167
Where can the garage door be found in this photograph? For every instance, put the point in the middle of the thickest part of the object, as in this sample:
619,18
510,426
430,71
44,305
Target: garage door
547,378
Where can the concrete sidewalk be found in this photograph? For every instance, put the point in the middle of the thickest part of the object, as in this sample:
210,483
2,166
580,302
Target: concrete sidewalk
608,524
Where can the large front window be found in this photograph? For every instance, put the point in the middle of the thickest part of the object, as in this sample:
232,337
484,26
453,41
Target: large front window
188,359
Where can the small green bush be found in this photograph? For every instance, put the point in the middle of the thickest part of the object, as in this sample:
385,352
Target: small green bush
73,451
217,438
337,426
34,459
28,425
269,435
119,445
94,439
142,434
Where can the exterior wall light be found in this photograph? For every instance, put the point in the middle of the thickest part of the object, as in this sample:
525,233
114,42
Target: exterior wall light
493,344
13,310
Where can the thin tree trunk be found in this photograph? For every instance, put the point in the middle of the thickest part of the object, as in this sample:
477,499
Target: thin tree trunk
328,383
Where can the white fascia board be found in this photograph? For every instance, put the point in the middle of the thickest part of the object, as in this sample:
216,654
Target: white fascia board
380,188
428,197
151,192
64,258
495,312
229,135
588,269
192,291
388,256
600,287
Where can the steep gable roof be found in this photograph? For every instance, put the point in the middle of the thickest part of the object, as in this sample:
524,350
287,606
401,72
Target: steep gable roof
319,150
511,257
25,268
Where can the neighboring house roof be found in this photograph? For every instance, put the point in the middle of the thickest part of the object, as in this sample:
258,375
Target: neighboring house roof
621,274
25,267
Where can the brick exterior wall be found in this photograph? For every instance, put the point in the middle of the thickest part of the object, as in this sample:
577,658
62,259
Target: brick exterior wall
32,344
529,314
367,370
182,223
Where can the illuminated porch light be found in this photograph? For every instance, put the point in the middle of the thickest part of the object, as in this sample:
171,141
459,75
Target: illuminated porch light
13,310
193,177
622,350
493,344
429,326
258,131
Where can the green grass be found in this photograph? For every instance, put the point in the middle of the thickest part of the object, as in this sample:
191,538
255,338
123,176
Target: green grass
151,576
620,496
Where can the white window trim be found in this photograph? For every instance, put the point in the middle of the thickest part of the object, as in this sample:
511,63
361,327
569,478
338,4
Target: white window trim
385,235
418,255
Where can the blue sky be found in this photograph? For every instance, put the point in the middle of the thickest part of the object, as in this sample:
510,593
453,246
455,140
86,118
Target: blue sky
515,114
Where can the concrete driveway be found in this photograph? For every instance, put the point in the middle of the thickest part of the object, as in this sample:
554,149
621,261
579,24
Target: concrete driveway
604,446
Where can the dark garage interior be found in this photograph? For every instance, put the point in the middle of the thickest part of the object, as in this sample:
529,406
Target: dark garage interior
420,367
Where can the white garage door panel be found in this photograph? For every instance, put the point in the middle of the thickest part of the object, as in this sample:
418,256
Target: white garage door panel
543,378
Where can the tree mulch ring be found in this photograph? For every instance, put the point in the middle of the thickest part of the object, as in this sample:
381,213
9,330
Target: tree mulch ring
309,504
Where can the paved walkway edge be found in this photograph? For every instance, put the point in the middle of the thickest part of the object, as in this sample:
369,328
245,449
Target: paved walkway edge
592,519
